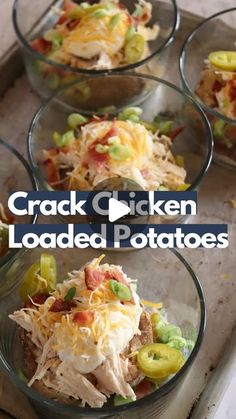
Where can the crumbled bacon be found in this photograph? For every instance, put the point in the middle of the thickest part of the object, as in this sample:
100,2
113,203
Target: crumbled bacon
95,158
72,24
40,298
83,317
216,86
175,132
92,156
41,46
61,305
232,91
52,173
118,276
93,278
143,389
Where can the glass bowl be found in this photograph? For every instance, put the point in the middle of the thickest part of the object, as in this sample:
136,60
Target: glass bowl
182,298
165,14
213,34
194,143
15,175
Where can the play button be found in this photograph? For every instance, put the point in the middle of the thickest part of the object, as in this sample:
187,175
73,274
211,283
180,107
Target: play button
117,210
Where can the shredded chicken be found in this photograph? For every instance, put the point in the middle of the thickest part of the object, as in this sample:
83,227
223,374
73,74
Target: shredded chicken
111,377
68,381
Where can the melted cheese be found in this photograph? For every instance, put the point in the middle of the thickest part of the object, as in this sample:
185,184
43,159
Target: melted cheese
135,136
110,333
94,36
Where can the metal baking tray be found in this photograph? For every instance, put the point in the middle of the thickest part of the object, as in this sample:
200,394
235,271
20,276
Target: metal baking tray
215,268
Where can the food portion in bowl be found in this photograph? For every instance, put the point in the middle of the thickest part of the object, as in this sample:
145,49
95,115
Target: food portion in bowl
98,36
97,148
5,220
91,339
217,90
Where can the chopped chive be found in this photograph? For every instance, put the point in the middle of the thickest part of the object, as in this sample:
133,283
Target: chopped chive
57,138
70,294
167,332
119,152
114,21
101,149
76,119
162,188
68,136
165,127
218,128
138,10
99,14
177,342
114,140
179,160
130,32
131,114
119,400
120,290
22,375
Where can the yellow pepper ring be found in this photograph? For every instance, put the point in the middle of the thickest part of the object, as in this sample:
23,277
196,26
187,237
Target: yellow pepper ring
48,270
159,360
29,285
225,60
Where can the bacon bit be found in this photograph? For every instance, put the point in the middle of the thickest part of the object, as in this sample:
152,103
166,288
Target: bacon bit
222,149
72,24
40,298
129,18
216,86
95,158
144,17
54,151
62,19
230,132
175,132
118,276
9,217
52,173
143,389
232,91
41,46
93,278
83,317
61,305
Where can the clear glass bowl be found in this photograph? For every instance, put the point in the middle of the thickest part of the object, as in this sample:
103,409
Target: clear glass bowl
182,298
194,143
15,175
213,34
165,14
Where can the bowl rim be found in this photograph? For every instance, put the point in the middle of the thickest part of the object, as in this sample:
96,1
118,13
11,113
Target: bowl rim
182,55
33,219
75,70
195,104
151,398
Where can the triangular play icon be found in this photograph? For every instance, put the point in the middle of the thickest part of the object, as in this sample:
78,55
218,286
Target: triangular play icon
117,210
